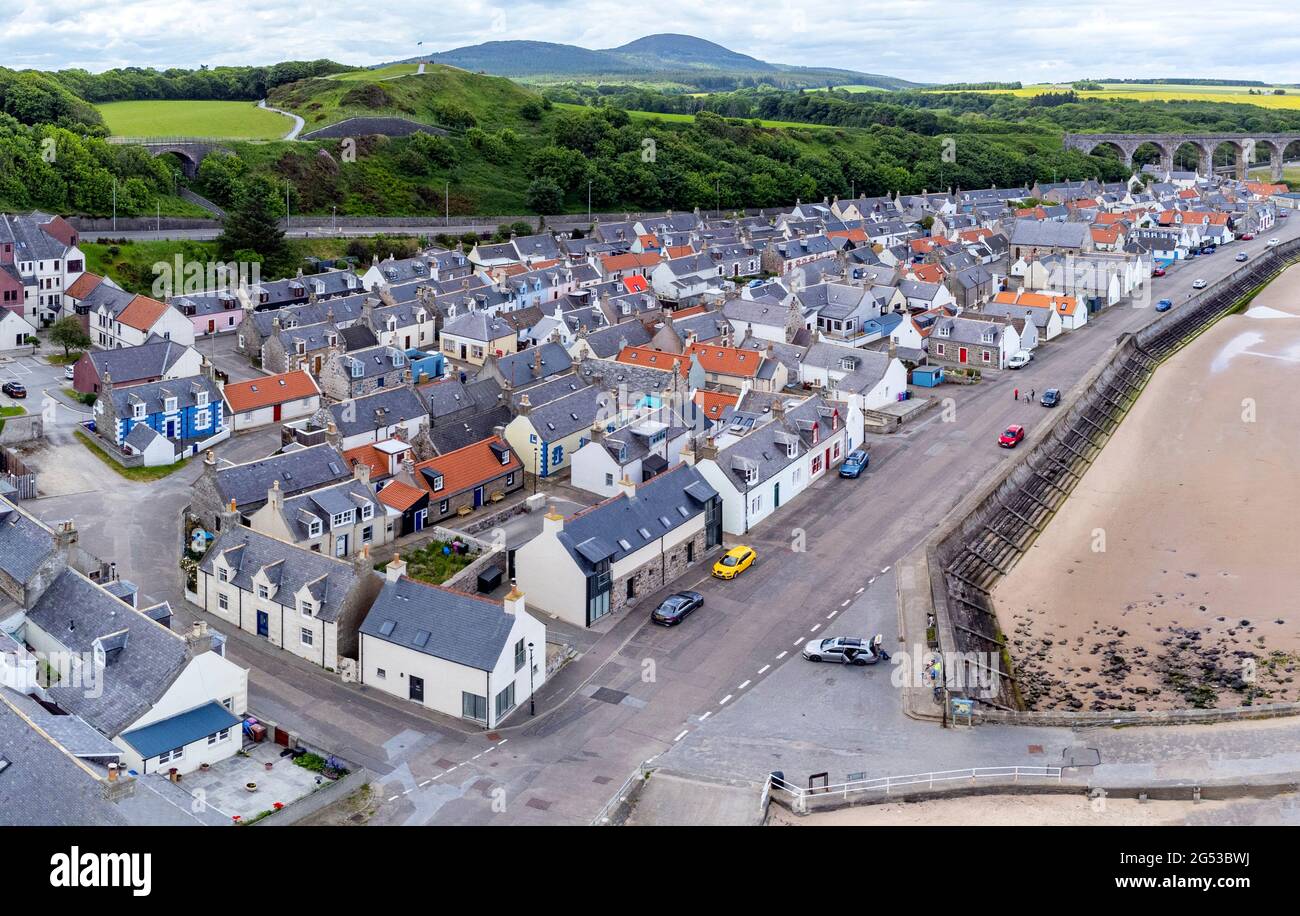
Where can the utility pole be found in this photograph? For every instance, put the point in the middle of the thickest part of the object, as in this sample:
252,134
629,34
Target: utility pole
114,203
717,187
446,203
588,200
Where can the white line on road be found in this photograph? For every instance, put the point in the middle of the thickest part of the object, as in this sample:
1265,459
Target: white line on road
831,615
491,749
394,798
685,732
723,701
846,603
872,579
799,640
783,655
764,668
885,570
815,628
743,686
706,715
425,783
861,590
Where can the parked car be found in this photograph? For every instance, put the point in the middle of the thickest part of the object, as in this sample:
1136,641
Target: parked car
855,463
1158,272
846,650
1272,242
1019,359
1198,283
734,562
68,373
676,608
1011,436
1248,236
1164,305
1051,397
1209,249
14,390
1241,256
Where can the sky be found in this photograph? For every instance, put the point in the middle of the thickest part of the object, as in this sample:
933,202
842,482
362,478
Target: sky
921,40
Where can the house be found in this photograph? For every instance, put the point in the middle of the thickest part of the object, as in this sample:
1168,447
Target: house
872,379
474,336
468,478
410,503
1044,310
384,459
605,558
458,654
185,414
273,399
922,296
39,262
729,367
361,372
974,341
15,331
636,452
244,487
304,602
152,361
1035,238
512,370
545,437
339,519
766,317
762,463
120,319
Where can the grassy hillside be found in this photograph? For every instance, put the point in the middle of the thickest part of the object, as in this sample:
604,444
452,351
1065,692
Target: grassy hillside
442,96
392,71
242,120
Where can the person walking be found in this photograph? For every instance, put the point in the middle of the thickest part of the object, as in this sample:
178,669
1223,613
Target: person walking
1032,392
1016,394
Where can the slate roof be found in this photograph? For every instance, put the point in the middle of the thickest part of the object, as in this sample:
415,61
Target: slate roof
385,407
478,326
77,613
441,622
869,366
764,450
247,551
519,369
320,504
375,361
151,359
566,415
180,730
298,470
154,394
662,504
25,543
1049,234
459,433
607,342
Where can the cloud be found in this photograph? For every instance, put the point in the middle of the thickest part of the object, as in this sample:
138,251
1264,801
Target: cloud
924,40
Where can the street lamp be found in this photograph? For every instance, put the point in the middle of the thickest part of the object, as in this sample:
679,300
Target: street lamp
532,706
537,466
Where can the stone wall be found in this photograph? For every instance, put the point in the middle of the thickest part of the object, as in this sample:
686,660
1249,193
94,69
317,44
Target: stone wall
656,573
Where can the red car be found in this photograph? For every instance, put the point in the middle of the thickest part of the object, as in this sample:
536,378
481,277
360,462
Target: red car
1158,272
1248,237
1011,437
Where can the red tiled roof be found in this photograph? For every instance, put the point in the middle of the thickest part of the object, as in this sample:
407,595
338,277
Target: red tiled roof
629,261
467,467
726,360
715,403
635,284
400,496
142,313
84,285
653,359
274,389
679,251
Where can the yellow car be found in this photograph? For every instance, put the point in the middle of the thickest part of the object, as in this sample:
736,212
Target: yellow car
734,562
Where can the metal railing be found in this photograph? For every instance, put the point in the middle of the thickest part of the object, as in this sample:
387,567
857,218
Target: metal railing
940,778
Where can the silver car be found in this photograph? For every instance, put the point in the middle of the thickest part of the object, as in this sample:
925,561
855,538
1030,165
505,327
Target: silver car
845,650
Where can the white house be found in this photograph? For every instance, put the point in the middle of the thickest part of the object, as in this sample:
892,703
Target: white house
870,378
636,452
14,330
273,399
455,653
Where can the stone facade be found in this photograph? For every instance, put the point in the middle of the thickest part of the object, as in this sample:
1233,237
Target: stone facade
337,382
653,575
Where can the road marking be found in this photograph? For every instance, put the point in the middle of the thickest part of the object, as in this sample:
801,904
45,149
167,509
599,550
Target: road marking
872,579
425,783
456,767
799,640
783,655
394,798
724,700
706,715
831,614
764,668
743,686
491,749
815,628
503,741
861,590
846,603
685,732
885,570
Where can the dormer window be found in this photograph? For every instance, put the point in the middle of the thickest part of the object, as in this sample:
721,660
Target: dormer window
367,512
358,370
307,608
263,592
201,399
169,405
437,483
137,410
339,519
314,528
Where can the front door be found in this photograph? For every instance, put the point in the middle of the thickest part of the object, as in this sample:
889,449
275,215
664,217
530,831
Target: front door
263,624
420,518
171,429
417,688
276,411
478,497
961,354
776,495
212,325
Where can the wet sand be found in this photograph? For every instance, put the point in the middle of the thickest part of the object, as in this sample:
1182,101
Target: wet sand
1169,579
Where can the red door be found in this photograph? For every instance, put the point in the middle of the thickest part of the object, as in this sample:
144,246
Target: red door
277,413
212,325
961,354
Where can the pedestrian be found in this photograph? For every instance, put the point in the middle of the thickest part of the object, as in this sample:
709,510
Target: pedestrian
1032,392
1016,394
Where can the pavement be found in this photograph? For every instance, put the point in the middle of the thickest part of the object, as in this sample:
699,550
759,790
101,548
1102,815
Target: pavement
725,695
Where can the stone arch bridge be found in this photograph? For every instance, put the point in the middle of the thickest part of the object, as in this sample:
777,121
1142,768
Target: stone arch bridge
1245,146
189,150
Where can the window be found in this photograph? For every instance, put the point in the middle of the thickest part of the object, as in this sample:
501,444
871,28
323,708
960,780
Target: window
506,700
308,609
169,405
520,655
218,737
223,601
609,480
510,479
308,638
223,575
229,704
172,755
690,551
381,674
473,706
340,519
367,534
437,483
202,419
367,511
201,399
137,411
263,592
313,530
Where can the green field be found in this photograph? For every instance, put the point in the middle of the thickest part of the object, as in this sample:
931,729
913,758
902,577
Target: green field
225,120
1149,92
393,71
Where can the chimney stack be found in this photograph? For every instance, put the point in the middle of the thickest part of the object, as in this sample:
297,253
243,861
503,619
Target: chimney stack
552,522
275,496
514,600
627,488
395,569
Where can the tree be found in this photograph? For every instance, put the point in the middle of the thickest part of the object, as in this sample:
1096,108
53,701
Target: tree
545,196
253,223
69,334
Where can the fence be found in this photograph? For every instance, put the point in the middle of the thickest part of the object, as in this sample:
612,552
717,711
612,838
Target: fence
928,782
17,475
610,812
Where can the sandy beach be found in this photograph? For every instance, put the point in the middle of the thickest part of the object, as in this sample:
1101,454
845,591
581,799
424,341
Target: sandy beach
1169,578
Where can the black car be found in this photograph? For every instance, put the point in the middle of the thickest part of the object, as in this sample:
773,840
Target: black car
1051,397
675,608
14,390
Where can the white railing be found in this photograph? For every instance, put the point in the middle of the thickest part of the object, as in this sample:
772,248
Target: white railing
940,778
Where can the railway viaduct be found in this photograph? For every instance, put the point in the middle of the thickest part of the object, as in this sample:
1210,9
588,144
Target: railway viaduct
1245,147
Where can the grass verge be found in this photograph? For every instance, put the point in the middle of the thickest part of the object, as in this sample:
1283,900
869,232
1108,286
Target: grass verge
140,474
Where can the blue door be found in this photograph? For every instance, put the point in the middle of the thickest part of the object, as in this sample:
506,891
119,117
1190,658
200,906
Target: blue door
263,624
478,497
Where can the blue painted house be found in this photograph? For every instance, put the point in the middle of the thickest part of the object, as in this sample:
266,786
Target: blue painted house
182,412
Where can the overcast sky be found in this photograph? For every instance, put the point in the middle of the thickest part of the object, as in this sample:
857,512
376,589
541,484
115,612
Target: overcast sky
923,40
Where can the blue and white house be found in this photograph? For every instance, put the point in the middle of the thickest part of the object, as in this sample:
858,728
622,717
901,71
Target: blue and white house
163,421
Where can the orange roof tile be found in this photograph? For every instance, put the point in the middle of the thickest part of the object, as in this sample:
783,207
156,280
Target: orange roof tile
725,360
368,454
679,251
654,359
693,310
274,389
84,285
401,496
635,284
467,467
629,261
1105,235
928,273
853,235
142,313
715,403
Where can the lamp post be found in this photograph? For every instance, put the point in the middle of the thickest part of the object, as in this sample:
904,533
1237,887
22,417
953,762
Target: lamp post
532,707
537,466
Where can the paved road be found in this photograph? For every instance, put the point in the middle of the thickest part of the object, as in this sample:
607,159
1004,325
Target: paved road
325,228
298,123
